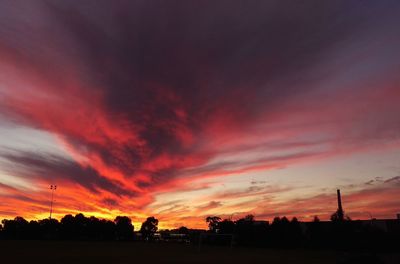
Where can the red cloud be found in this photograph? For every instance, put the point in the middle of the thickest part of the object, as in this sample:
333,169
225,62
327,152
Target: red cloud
141,112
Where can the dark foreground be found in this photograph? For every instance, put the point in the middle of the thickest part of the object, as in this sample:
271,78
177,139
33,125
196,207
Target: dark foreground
135,252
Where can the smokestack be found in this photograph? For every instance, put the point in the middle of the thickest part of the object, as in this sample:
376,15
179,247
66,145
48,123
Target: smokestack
340,212
339,201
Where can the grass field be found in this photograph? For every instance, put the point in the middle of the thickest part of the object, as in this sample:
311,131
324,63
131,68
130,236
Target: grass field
134,252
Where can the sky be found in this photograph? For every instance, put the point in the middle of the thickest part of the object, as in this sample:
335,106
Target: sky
185,109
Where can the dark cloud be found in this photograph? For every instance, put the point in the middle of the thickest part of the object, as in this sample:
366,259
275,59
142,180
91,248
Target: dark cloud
210,205
258,182
252,191
370,182
395,179
56,169
7,187
110,202
208,54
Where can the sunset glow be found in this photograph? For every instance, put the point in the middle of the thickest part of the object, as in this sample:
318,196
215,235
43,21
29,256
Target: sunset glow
184,111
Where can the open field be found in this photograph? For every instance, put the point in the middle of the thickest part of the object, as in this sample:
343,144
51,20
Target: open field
131,252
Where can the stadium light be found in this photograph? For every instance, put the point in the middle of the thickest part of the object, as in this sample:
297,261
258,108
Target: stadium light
52,188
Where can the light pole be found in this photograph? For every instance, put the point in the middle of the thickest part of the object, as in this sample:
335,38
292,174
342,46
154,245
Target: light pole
53,188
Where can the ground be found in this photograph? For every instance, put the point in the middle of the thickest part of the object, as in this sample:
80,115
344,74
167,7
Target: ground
134,252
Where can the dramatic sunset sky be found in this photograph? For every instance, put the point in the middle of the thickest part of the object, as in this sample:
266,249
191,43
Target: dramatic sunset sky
185,109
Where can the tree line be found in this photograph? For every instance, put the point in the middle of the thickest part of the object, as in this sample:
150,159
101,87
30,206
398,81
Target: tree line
281,232
284,233
78,227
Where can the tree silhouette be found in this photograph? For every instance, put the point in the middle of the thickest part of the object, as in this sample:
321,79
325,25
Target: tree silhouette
16,228
281,232
183,230
249,218
68,227
295,233
246,231
284,220
49,228
123,228
336,216
226,226
339,216
149,227
213,223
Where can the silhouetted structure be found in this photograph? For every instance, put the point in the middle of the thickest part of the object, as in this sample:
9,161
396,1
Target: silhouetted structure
52,188
340,213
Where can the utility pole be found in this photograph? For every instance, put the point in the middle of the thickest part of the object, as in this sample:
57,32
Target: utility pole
53,188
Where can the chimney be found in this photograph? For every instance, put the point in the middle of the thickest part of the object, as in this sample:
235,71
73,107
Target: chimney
339,201
340,212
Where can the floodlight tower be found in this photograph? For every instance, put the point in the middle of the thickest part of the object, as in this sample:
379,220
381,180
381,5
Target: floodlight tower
53,188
